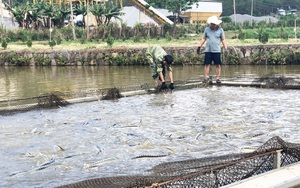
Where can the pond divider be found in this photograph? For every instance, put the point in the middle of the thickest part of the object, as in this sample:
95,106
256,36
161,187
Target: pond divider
58,99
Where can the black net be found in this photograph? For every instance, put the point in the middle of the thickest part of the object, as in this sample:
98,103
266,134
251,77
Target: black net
277,82
57,99
210,172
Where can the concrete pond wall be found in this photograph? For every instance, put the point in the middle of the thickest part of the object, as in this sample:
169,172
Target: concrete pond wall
275,54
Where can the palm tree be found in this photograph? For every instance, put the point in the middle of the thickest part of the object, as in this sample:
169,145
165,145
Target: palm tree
18,13
98,11
112,11
36,16
80,9
104,12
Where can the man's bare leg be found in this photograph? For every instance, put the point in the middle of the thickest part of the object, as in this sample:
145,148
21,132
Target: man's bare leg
206,71
218,71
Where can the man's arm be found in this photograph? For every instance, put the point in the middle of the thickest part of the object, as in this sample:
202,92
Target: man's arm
202,41
224,42
160,74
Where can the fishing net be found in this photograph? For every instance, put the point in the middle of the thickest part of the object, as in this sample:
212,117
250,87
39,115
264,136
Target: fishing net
57,99
277,82
210,172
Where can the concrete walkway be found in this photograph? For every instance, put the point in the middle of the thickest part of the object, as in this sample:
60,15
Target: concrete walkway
284,177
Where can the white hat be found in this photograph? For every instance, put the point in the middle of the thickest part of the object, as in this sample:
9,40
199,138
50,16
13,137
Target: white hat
214,20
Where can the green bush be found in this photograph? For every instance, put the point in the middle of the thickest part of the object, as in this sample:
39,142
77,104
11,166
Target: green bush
52,43
263,36
21,61
41,60
110,41
61,60
249,34
4,43
58,40
29,42
241,34
137,38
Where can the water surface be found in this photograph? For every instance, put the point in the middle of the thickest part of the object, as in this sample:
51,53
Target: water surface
23,82
51,147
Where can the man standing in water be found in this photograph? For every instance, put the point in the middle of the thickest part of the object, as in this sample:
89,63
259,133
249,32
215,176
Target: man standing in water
213,34
159,61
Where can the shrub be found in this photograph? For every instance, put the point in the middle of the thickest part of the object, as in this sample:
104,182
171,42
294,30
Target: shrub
137,38
20,60
241,34
263,36
58,40
4,43
29,42
41,60
52,43
110,41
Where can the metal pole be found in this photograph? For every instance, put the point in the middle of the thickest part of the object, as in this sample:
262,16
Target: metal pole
234,12
50,29
251,13
87,20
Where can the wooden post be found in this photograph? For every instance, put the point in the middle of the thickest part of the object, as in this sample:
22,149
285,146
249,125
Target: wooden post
277,159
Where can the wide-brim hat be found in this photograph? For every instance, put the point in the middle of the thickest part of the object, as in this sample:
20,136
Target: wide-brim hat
214,20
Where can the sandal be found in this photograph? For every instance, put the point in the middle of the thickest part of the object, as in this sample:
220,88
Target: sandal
218,81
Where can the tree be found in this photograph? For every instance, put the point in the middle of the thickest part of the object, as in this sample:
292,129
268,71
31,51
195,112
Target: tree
112,11
19,13
104,12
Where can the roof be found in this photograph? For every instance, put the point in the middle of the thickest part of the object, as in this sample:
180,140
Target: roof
240,18
206,7
156,15
133,16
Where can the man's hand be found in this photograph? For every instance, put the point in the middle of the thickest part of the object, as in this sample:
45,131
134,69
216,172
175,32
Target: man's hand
199,50
171,86
163,86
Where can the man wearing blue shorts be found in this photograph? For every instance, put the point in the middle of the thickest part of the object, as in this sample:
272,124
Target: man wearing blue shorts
213,36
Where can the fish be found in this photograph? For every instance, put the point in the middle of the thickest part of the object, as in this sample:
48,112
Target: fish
96,164
149,156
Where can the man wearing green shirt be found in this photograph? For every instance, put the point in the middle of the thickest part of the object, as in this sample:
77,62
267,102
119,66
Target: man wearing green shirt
159,62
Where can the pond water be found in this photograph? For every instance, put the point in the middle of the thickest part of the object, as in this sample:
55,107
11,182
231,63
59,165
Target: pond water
22,82
48,148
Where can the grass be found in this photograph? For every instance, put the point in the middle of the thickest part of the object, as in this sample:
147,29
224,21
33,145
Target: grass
143,43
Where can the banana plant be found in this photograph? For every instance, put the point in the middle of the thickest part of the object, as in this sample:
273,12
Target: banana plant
98,10
19,13
112,11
